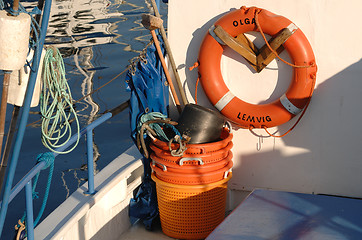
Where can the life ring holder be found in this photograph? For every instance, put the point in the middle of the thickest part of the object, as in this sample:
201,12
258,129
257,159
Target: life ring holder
246,115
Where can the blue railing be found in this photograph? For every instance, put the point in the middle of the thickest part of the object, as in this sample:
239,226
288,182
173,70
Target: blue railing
26,181
24,119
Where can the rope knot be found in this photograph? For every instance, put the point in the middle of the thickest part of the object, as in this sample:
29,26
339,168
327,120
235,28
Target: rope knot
13,12
35,11
47,157
196,64
35,195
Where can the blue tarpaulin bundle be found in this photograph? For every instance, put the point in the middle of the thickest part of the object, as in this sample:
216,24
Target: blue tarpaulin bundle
149,93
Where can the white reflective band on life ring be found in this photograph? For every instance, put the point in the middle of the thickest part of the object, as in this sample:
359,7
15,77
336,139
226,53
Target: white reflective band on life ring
259,115
288,105
292,27
224,100
211,31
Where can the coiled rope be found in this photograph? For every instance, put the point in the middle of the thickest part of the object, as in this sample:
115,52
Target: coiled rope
55,98
48,158
131,66
154,123
158,126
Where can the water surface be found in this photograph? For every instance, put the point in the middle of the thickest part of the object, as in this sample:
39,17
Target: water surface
97,39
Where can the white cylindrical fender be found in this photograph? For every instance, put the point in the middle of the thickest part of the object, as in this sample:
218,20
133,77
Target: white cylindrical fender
14,40
19,82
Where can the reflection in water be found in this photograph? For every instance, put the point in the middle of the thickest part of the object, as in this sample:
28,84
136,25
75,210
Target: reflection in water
80,29
96,39
75,27
77,23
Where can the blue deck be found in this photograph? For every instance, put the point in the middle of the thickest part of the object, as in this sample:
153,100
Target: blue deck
278,215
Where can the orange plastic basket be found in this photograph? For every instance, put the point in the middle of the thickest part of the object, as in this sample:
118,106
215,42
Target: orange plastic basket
192,178
191,212
186,159
225,137
185,168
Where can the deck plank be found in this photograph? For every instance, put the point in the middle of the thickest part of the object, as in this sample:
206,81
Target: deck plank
269,214
139,232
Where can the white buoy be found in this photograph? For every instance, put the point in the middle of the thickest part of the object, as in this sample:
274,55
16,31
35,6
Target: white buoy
14,40
19,82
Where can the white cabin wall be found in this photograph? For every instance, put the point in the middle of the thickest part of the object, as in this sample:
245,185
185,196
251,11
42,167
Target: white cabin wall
323,154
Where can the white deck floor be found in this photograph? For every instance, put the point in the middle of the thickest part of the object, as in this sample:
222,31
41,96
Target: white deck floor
138,232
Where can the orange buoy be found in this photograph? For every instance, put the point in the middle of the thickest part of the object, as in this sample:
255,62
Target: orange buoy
238,111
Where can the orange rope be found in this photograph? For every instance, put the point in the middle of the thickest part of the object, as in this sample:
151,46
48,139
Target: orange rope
295,124
197,83
168,76
196,64
290,64
271,49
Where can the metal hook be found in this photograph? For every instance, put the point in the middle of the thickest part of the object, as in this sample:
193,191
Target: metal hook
258,144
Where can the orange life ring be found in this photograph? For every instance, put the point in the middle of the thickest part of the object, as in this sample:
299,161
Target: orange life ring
240,112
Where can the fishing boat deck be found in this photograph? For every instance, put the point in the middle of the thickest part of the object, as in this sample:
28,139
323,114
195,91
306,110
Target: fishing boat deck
267,214
138,231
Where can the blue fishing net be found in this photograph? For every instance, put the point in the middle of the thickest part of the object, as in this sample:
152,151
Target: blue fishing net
146,81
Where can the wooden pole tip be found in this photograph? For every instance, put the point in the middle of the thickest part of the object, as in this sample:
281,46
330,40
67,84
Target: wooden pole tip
151,22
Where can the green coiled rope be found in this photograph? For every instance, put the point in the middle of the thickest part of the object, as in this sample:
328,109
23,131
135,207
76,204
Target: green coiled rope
56,104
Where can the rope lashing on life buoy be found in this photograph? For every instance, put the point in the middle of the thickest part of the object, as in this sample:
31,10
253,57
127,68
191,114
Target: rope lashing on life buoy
292,65
271,49
244,114
196,64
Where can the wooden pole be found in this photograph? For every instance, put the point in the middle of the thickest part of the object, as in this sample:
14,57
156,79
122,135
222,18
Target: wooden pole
4,102
9,140
170,56
14,118
151,23
163,62
16,5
